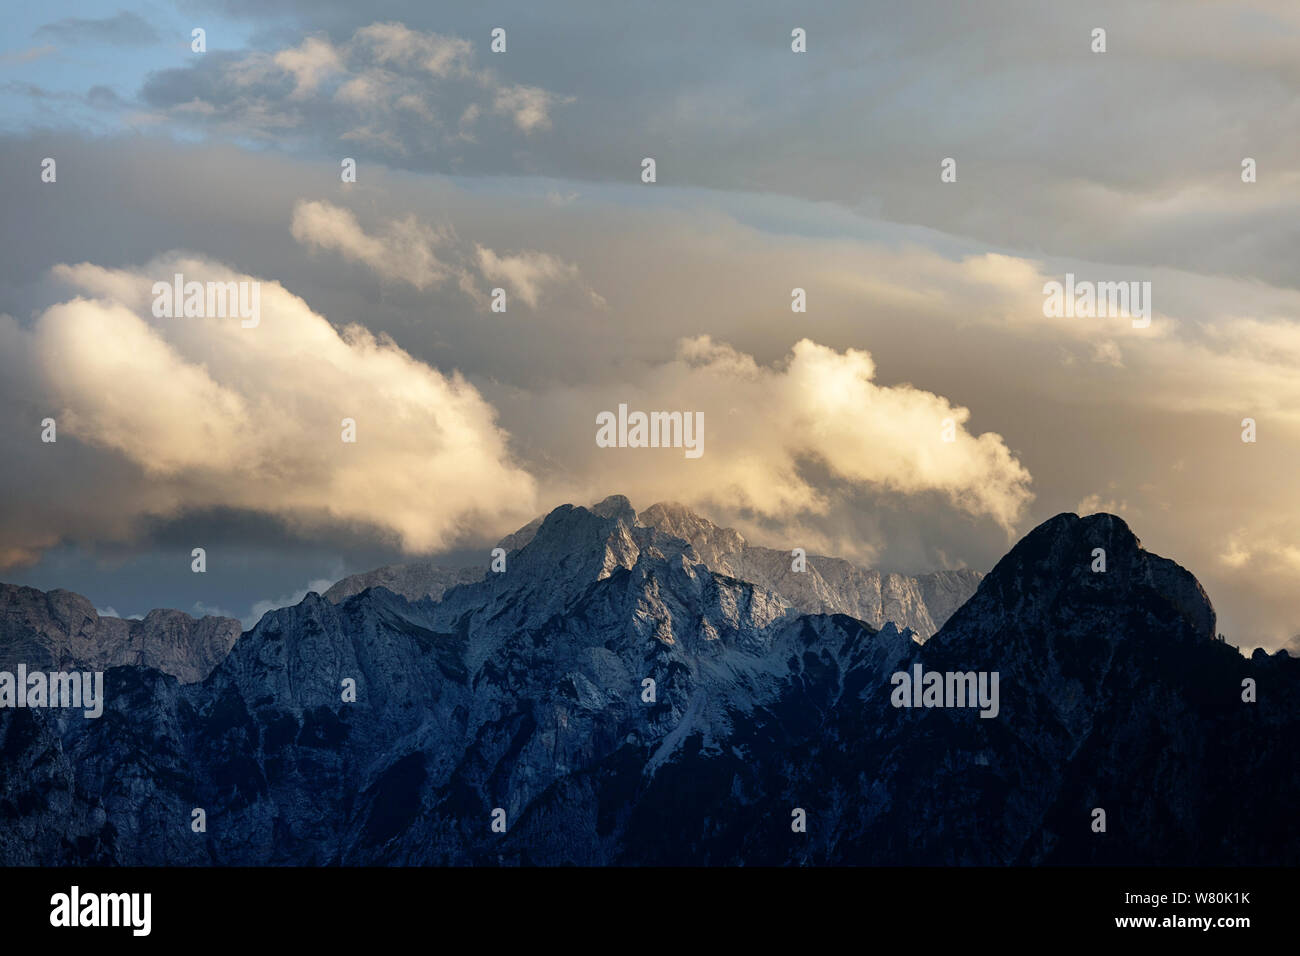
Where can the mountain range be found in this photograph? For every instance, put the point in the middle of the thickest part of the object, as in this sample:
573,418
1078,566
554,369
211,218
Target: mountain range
828,586
650,689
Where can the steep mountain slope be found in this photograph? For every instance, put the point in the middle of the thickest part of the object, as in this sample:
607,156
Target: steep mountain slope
56,630
525,691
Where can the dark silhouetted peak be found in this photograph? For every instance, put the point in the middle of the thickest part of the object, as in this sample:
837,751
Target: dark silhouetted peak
1062,547
1090,569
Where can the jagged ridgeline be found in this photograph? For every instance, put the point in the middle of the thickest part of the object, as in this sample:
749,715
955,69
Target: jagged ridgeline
507,718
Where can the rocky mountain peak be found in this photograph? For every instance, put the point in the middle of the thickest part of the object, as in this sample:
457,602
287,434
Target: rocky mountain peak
1068,561
615,507
585,544
711,544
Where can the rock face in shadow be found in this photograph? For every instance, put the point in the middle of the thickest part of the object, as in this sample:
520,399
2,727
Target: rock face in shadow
526,691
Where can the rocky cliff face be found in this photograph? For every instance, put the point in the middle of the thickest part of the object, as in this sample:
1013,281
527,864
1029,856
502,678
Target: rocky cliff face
526,692
829,585
57,630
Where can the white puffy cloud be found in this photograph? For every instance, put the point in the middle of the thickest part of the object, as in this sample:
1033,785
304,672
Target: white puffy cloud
766,426
210,414
310,62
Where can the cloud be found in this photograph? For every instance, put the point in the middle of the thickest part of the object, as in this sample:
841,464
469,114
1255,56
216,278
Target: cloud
209,414
1107,352
822,404
405,250
396,44
750,115
1095,504
525,273
122,29
529,106
404,93
790,442
310,62
1261,552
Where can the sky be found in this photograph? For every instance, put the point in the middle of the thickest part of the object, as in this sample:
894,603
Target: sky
924,412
